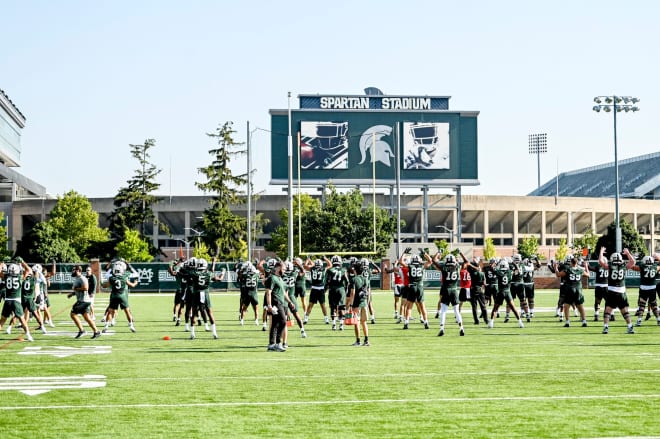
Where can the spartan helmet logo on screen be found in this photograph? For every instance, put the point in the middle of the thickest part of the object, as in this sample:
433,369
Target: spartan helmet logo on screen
371,142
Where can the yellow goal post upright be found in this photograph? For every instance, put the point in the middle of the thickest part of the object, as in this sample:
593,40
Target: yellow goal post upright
373,194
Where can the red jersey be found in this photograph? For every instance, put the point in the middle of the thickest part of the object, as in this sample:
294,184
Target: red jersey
465,280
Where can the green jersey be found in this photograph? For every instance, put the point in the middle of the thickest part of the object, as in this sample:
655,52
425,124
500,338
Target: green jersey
573,277
317,275
335,277
616,278
647,273
118,285
415,273
201,281
27,287
13,284
450,275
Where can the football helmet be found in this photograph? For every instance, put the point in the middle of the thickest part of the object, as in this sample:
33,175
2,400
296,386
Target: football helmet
352,260
415,259
503,265
491,261
569,259
450,259
36,268
298,261
517,259
364,262
336,261
201,264
118,268
616,259
288,267
318,263
648,260
192,262
271,263
14,269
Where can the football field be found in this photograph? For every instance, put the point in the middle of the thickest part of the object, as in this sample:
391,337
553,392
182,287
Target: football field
540,381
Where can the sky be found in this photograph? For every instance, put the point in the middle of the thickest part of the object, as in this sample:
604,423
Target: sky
93,77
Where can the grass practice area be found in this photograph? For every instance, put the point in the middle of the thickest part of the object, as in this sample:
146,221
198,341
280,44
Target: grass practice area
540,381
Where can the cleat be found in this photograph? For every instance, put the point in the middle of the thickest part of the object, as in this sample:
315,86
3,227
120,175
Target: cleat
303,334
8,330
584,323
215,336
441,333
357,343
285,346
461,332
263,327
206,327
192,336
399,320
279,348
638,322
596,317
561,318
97,334
103,319
51,324
306,319
271,347
567,325
426,325
256,322
178,322
341,326
612,318
327,321
241,322
42,329
497,315
334,327
132,328
373,320
630,330
29,337
80,334
104,330
529,319
405,326
187,327
491,324
437,315
366,343
520,324
174,318
605,330
113,323
648,316
506,320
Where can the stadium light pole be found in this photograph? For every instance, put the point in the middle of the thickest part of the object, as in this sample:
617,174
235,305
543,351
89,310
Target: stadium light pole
538,144
290,191
616,104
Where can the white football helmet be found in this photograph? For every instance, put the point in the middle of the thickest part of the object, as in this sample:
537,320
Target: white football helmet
450,259
503,265
288,267
569,259
201,264
118,268
517,259
36,268
298,261
318,263
14,269
648,260
336,261
415,259
616,259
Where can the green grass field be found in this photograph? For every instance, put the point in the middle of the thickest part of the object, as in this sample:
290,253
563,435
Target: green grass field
541,381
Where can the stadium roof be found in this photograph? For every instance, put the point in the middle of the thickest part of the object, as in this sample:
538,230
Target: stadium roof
639,177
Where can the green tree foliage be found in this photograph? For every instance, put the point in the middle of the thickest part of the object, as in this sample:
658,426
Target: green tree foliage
3,236
529,247
630,239
73,221
588,240
343,224
42,244
489,249
562,250
133,247
224,232
309,207
134,202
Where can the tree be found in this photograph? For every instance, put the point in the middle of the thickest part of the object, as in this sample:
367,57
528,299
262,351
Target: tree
489,249
588,240
75,222
133,247
224,231
3,236
42,244
443,247
133,203
343,224
562,250
529,247
630,239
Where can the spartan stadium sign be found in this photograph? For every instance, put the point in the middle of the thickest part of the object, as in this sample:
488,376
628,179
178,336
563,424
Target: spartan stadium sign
351,103
344,102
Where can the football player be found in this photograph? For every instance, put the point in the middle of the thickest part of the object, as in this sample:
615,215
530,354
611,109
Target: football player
336,281
572,274
358,300
83,303
119,282
201,301
416,267
504,292
13,275
616,286
449,291
647,268
317,270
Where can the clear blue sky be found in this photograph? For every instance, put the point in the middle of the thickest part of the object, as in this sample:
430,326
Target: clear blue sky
94,76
